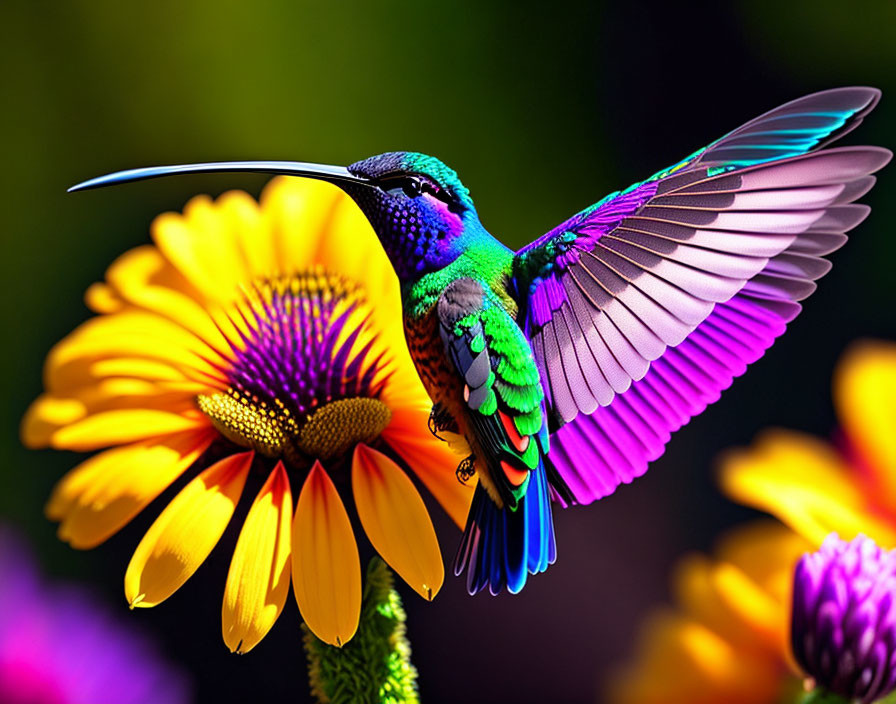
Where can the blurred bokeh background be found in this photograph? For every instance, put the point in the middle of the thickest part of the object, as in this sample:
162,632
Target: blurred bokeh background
542,108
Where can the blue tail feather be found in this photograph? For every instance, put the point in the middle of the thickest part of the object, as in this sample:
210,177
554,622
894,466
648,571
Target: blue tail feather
501,547
540,528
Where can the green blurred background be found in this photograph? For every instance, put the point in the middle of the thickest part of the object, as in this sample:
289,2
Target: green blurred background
542,109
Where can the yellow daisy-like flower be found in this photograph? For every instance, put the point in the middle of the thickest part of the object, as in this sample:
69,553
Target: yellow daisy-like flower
251,338
816,487
726,640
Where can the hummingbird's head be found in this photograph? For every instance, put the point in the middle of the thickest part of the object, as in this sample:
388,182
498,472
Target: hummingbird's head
418,207
411,175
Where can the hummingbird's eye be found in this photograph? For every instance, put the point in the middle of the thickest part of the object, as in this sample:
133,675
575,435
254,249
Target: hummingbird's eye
415,185
409,186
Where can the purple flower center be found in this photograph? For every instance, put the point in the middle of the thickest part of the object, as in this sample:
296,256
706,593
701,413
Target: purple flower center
302,387
843,630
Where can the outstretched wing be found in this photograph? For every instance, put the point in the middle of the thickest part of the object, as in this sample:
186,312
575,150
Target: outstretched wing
644,307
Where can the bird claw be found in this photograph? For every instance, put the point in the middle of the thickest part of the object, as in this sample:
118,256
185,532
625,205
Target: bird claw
440,420
466,469
433,426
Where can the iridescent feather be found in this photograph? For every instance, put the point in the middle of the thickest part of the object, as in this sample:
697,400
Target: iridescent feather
661,294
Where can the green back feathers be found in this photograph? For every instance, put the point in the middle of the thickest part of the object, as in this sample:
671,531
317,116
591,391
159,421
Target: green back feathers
516,379
502,385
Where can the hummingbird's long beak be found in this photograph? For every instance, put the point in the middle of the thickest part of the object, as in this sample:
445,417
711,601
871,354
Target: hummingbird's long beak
324,172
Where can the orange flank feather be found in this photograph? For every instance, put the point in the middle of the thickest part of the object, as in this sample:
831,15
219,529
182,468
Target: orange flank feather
514,476
520,443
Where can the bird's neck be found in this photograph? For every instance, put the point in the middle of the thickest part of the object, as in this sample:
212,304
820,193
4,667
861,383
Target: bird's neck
486,261
418,242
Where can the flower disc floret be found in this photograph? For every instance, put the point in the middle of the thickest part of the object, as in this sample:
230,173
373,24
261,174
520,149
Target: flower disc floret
844,622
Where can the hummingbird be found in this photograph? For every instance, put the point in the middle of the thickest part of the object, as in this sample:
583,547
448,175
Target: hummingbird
562,369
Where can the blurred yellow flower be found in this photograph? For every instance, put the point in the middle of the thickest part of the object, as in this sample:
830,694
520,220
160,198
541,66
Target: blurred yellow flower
817,487
726,639
250,338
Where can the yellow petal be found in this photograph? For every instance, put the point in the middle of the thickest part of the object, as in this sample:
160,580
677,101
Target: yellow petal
297,211
101,495
130,333
396,521
123,426
744,592
202,247
116,393
140,266
803,482
142,277
93,372
185,532
725,599
326,569
350,245
766,551
148,265
680,661
50,412
433,461
865,394
136,368
46,415
258,580
405,391
242,216
102,298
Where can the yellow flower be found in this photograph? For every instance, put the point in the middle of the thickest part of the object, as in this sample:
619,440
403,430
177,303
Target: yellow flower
817,487
250,338
726,640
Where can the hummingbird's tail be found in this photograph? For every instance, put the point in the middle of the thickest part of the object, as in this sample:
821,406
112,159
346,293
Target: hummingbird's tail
501,547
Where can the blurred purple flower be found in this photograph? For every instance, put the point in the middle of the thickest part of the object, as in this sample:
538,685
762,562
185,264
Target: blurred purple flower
843,630
58,646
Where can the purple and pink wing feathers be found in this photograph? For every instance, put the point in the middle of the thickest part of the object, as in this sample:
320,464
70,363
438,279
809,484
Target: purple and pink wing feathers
642,309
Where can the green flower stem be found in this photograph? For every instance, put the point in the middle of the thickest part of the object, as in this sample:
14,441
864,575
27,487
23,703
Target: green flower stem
375,666
821,696
818,695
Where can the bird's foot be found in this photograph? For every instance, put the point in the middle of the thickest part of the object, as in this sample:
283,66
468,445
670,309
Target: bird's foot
466,469
440,421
